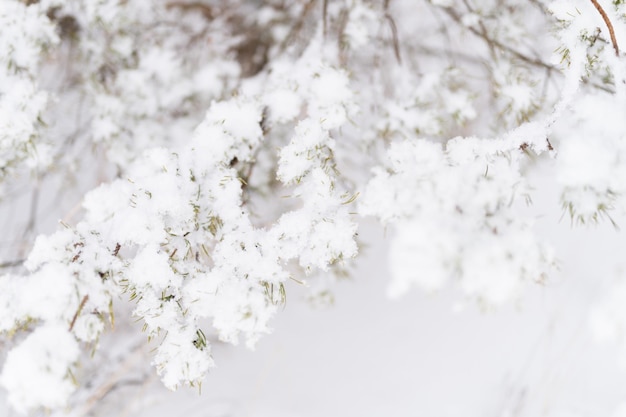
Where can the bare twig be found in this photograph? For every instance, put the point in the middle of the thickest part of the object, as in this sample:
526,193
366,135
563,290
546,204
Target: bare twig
34,203
298,25
541,7
494,42
484,33
342,22
113,381
609,25
394,33
325,17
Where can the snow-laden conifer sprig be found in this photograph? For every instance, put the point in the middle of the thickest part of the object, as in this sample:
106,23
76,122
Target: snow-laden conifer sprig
176,236
25,34
67,298
589,164
322,96
586,44
454,217
197,255
589,141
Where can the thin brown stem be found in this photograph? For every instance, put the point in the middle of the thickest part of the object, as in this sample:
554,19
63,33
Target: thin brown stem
394,31
325,17
80,308
394,34
609,25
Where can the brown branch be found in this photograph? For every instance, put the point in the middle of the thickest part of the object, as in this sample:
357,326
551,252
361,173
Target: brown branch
325,17
80,308
394,33
342,22
608,23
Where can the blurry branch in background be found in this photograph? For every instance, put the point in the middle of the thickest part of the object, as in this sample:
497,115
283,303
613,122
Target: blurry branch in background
32,217
494,43
394,31
12,264
297,26
117,381
203,8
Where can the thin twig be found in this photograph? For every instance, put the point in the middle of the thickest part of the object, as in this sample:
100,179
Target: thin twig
104,389
34,203
484,33
394,34
541,7
342,23
80,308
325,17
11,264
608,23
394,31
491,41
297,26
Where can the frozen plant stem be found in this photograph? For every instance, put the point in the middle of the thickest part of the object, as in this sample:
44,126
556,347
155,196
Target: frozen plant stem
608,23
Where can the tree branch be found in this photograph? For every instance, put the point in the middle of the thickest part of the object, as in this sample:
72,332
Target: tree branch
394,31
609,25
